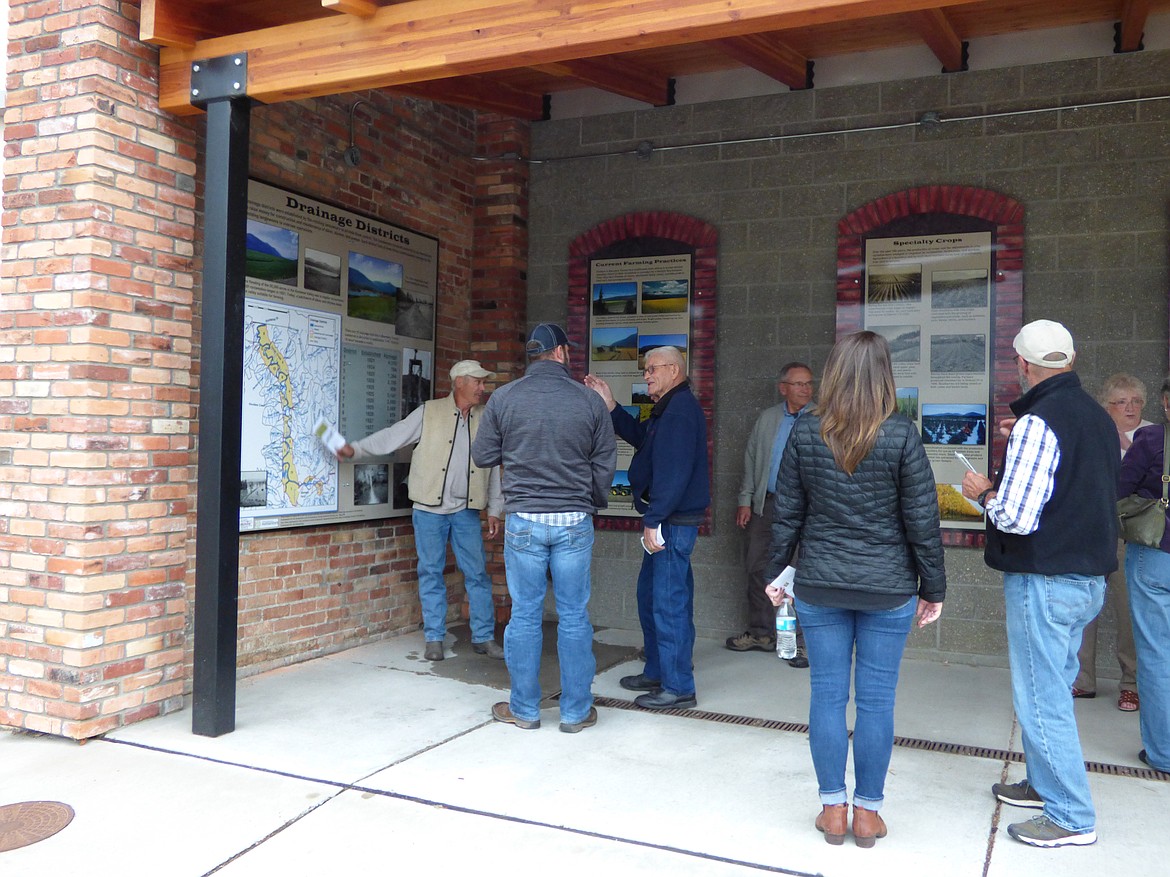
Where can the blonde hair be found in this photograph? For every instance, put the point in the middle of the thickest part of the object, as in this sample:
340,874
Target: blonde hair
857,396
1121,382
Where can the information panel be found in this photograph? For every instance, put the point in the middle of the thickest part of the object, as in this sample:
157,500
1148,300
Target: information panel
636,304
930,297
339,326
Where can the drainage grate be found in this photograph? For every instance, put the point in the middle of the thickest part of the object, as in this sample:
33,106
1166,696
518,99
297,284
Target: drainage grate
1119,770
30,822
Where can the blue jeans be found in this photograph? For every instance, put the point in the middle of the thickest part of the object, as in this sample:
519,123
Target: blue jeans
531,551
1045,617
832,636
666,609
431,532
1148,571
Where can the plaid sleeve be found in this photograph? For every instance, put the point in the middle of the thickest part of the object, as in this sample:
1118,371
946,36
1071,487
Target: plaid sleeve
1033,453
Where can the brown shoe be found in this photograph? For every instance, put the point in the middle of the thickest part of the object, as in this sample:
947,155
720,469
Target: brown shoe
832,823
867,827
1128,702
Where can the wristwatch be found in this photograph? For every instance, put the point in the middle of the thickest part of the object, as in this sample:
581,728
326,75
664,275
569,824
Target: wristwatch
982,498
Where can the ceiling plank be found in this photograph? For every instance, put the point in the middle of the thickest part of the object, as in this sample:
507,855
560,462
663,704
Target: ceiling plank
170,24
617,76
422,40
1133,24
938,33
360,8
478,94
766,53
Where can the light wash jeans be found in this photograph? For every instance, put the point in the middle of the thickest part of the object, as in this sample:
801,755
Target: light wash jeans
1148,571
531,551
1045,617
431,532
666,610
832,637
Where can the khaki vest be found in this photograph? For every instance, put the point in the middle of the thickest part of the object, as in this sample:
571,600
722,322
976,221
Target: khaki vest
432,456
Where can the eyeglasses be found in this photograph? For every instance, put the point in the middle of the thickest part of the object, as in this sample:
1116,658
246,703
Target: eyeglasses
800,385
649,370
1125,403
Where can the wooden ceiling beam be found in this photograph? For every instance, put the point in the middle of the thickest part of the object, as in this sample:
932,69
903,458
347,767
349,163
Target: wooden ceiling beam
938,33
423,40
1132,25
478,94
770,56
171,24
617,76
360,8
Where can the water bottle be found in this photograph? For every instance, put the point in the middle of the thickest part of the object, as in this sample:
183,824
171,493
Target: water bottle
785,631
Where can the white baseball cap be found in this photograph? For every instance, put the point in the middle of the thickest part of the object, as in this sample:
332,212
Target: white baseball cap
1045,343
469,368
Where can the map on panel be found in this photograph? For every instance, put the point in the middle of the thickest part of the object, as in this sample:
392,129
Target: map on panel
291,362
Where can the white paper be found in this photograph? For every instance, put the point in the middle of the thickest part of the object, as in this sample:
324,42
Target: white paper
328,435
657,538
785,580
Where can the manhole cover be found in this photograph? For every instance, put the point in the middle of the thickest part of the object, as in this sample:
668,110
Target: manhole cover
31,821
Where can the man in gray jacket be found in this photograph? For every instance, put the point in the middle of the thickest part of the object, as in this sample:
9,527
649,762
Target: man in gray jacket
757,495
555,441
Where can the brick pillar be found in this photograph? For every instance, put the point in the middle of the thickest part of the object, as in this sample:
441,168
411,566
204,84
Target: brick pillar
95,365
499,287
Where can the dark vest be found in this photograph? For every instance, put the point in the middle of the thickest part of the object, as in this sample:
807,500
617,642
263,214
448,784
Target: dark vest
1078,526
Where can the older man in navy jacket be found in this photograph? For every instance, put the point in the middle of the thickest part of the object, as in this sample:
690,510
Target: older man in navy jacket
671,488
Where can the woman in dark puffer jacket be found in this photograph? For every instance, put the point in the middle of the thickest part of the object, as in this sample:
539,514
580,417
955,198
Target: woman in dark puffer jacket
856,492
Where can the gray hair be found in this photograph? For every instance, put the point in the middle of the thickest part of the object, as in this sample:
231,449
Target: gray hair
671,355
790,367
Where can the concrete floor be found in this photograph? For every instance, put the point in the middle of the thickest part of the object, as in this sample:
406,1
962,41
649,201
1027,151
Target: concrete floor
372,760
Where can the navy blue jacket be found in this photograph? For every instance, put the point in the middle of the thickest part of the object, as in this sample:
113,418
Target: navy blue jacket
668,475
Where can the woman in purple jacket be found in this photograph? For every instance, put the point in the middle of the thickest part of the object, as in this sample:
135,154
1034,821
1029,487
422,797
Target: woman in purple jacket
1148,572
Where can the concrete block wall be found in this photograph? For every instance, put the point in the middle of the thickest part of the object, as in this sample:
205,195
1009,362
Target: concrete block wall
1092,179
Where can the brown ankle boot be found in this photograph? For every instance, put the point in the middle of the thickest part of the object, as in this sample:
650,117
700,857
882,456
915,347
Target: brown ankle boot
867,826
832,822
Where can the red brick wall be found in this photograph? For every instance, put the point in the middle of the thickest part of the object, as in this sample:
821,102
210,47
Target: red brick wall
499,297
99,344
313,590
95,364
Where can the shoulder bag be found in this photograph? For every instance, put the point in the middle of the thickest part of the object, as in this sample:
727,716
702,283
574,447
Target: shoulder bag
1142,519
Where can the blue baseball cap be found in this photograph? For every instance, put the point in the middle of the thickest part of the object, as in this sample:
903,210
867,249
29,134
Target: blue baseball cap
546,337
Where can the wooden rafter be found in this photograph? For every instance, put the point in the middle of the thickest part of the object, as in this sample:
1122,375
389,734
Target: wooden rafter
182,25
938,33
617,76
424,40
360,8
766,53
1133,24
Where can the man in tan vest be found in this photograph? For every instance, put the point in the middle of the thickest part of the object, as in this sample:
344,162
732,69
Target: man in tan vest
448,491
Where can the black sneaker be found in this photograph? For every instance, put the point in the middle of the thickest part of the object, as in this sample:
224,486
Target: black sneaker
1040,831
1019,794
641,682
800,659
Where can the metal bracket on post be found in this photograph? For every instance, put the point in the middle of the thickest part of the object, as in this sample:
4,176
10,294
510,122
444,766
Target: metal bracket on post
219,78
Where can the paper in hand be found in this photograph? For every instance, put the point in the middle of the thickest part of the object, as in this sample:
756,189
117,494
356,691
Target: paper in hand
785,580
328,435
657,538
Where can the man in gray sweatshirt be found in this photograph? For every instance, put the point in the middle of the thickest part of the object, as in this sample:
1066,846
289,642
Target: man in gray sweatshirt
555,441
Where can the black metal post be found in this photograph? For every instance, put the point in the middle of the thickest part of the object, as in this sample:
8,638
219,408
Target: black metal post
217,574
